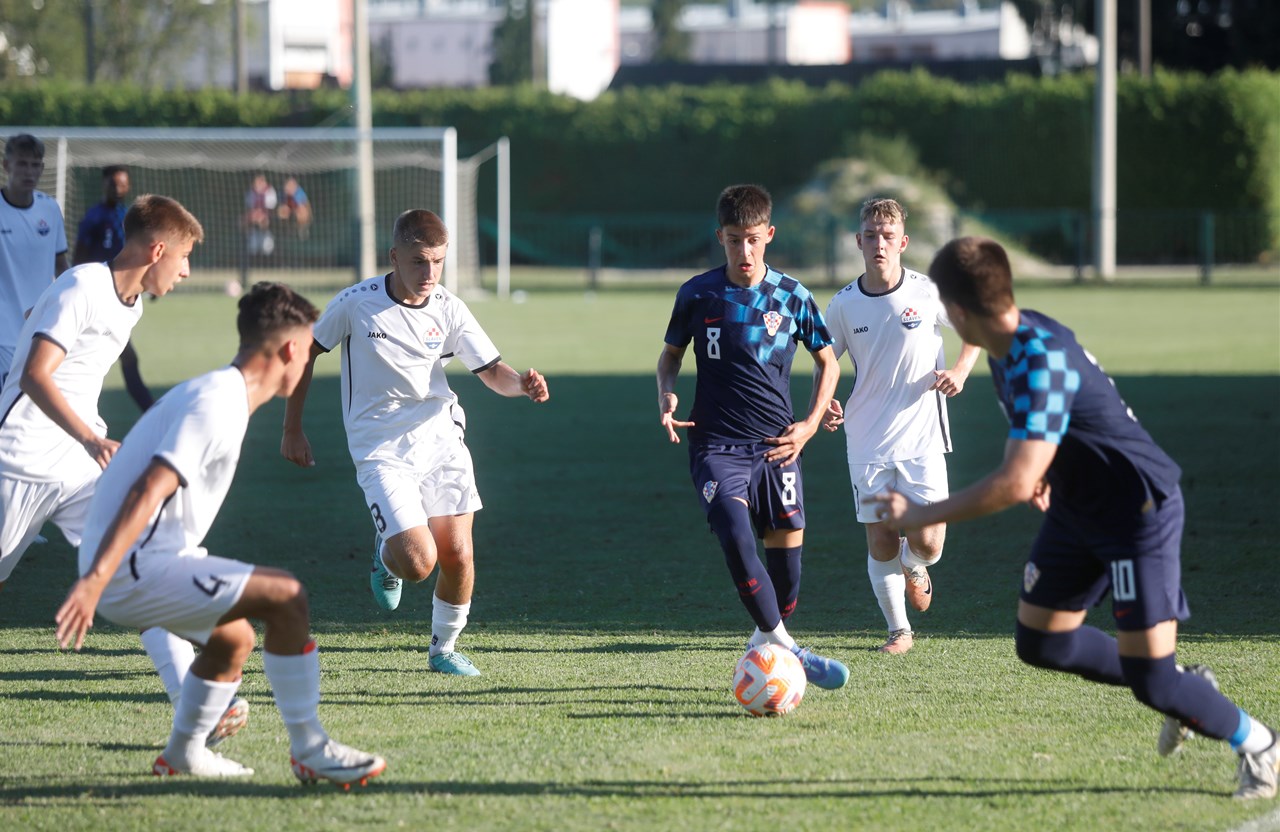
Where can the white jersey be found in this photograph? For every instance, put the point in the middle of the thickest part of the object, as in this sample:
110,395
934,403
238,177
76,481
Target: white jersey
82,314
196,429
30,239
895,342
396,402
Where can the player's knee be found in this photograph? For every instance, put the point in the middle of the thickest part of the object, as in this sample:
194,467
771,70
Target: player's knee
1040,649
229,646
1154,682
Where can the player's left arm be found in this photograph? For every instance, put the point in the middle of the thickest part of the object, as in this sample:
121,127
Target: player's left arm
951,381
503,379
74,618
788,446
133,378
60,264
1019,479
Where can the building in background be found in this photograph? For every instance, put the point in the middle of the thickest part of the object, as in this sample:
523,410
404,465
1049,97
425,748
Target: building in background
964,33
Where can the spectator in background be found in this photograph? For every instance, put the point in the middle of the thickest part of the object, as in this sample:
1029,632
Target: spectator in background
296,207
99,239
259,203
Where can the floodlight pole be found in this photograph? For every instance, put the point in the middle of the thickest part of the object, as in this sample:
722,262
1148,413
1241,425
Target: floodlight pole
363,95
1104,143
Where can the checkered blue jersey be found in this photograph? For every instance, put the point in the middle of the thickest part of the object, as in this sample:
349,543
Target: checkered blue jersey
744,340
1052,389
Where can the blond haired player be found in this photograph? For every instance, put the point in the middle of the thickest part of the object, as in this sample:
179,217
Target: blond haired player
890,323
142,564
53,443
405,427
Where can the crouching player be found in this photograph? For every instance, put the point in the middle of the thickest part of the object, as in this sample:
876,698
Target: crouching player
142,564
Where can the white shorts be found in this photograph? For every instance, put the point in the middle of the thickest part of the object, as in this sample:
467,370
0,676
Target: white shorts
186,593
923,479
26,506
402,498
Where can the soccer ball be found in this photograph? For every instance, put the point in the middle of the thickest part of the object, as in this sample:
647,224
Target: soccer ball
769,680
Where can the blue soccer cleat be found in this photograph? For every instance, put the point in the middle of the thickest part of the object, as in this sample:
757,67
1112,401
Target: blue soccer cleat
386,587
453,663
828,674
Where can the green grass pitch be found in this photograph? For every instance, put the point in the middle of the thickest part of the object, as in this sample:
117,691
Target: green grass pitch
607,630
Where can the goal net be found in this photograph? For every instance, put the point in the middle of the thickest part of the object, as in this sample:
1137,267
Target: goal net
275,204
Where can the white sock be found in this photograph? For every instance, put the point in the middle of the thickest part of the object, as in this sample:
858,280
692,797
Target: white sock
1260,738
890,587
295,682
172,657
447,622
911,560
777,635
200,706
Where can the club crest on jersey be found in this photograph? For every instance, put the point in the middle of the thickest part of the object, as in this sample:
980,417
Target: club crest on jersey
1029,577
709,490
433,339
43,229
910,318
772,320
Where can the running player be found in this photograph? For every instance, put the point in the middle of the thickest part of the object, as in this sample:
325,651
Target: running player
890,323
1113,515
745,320
33,241
142,564
405,428
53,443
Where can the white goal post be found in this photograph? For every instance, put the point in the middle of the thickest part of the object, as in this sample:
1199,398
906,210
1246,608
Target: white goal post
254,236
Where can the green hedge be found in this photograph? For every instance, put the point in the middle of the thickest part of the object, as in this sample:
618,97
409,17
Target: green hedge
1186,142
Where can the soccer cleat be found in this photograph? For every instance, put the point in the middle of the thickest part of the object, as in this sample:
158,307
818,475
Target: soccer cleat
1258,772
235,717
821,671
386,587
900,641
340,764
205,764
919,587
452,663
1173,733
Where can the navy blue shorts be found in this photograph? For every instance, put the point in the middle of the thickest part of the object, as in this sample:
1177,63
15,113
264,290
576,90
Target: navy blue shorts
1074,563
774,494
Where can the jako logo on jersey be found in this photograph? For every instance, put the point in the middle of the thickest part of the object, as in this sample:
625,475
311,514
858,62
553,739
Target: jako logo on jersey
434,339
860,330
382,335
43,228
709,490
772,320
910,318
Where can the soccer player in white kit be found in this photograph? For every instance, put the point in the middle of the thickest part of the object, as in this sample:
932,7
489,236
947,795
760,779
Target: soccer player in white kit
405,428
33,240
143,566
890,323
53,443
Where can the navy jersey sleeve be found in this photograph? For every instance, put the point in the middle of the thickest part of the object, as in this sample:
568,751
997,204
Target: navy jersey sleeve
1040,387
811,328
678,333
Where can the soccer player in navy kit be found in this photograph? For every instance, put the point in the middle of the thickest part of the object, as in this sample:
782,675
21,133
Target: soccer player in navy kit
1113,515
745,320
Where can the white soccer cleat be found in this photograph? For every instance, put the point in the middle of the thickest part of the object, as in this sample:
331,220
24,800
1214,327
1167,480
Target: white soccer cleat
205,764
1259,772
235,717
340,764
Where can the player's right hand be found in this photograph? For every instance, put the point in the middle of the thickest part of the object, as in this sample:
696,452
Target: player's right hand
75,616
101,449
834,417
296,448
667,403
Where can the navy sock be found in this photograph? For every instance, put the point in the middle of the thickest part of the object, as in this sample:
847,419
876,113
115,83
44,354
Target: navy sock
1184,696
1084,651
731,521
784,571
